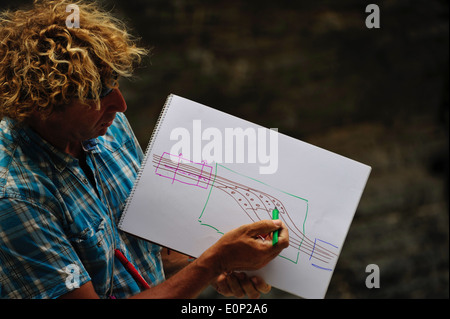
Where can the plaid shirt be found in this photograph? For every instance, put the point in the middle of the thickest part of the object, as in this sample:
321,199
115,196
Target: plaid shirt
55,228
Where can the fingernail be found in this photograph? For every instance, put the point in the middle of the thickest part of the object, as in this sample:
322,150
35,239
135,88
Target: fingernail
277,222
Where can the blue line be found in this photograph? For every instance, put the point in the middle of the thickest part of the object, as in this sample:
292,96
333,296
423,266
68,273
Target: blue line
313,248
327,243
329,269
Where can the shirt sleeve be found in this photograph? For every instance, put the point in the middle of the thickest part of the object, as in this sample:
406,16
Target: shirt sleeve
36,257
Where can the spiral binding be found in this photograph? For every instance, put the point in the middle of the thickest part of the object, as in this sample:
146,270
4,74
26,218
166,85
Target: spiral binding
146,155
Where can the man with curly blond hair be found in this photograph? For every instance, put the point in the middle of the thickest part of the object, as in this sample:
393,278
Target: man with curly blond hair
68,161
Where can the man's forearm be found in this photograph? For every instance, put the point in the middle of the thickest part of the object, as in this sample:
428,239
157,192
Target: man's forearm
186,283
173,262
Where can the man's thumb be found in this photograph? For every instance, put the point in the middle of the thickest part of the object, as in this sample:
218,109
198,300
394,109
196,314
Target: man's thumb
264,227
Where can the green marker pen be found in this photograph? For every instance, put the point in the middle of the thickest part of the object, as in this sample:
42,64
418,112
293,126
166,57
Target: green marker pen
275,213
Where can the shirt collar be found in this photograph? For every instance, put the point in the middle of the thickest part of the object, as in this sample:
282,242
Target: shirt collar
60,159
89,145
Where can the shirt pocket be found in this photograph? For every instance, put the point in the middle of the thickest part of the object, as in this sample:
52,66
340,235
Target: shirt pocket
94,247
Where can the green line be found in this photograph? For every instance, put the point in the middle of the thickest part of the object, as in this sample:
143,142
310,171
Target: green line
207,200
212,228
295,262
206,203
254,179
304,222
304,199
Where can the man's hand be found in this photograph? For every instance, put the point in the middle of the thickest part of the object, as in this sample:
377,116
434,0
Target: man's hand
238,284
242,248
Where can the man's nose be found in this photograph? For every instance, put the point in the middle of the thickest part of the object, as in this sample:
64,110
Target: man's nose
114,102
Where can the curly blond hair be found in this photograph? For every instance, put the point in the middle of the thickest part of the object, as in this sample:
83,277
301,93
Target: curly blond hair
44,64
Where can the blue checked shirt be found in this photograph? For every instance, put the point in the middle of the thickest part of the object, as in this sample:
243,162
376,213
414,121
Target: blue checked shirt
55,228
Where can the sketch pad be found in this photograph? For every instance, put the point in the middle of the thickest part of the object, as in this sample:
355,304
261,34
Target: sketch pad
187,203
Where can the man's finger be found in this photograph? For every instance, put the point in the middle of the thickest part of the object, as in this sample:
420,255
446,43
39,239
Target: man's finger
283,237
235,286
222,287
264,227
249,288
261,285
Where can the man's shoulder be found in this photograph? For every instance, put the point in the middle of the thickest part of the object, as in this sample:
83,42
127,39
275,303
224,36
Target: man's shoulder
20,175
8,148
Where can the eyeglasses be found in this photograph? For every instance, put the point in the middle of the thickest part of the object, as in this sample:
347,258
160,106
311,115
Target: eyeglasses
104,90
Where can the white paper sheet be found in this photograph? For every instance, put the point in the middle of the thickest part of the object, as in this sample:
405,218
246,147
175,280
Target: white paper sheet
186,203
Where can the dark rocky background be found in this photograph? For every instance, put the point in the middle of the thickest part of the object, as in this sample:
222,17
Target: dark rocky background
313,69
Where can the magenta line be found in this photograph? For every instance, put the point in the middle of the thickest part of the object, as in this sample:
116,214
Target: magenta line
182,172
201,173
176,170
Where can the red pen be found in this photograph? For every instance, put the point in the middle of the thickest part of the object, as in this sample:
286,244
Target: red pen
131,269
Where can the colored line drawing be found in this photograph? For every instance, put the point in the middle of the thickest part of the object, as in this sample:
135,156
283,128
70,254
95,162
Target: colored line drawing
255,203
312,252
184,173
258,205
